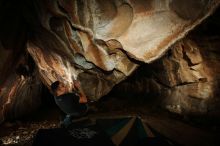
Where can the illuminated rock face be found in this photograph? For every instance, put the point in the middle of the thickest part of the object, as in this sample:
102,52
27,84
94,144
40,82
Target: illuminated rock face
21,93
97,42
190,79
185,81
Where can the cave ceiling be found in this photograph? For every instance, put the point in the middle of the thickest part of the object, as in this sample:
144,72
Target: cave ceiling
97,42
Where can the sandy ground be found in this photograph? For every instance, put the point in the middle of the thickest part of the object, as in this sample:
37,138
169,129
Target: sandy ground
180,129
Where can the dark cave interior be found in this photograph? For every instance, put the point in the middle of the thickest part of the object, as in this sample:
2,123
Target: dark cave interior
135,95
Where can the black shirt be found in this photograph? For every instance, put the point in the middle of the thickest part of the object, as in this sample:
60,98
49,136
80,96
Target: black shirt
69,104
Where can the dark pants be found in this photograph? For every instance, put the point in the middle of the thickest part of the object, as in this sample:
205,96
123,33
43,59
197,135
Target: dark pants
69,104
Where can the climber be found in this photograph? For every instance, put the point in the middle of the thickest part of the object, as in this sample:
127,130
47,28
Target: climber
73,104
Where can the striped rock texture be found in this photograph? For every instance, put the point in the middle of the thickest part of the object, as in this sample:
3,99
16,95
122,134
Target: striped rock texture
99,43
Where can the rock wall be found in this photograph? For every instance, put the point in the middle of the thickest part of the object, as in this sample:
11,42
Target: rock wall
189,80
184,81
21,93
99,43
